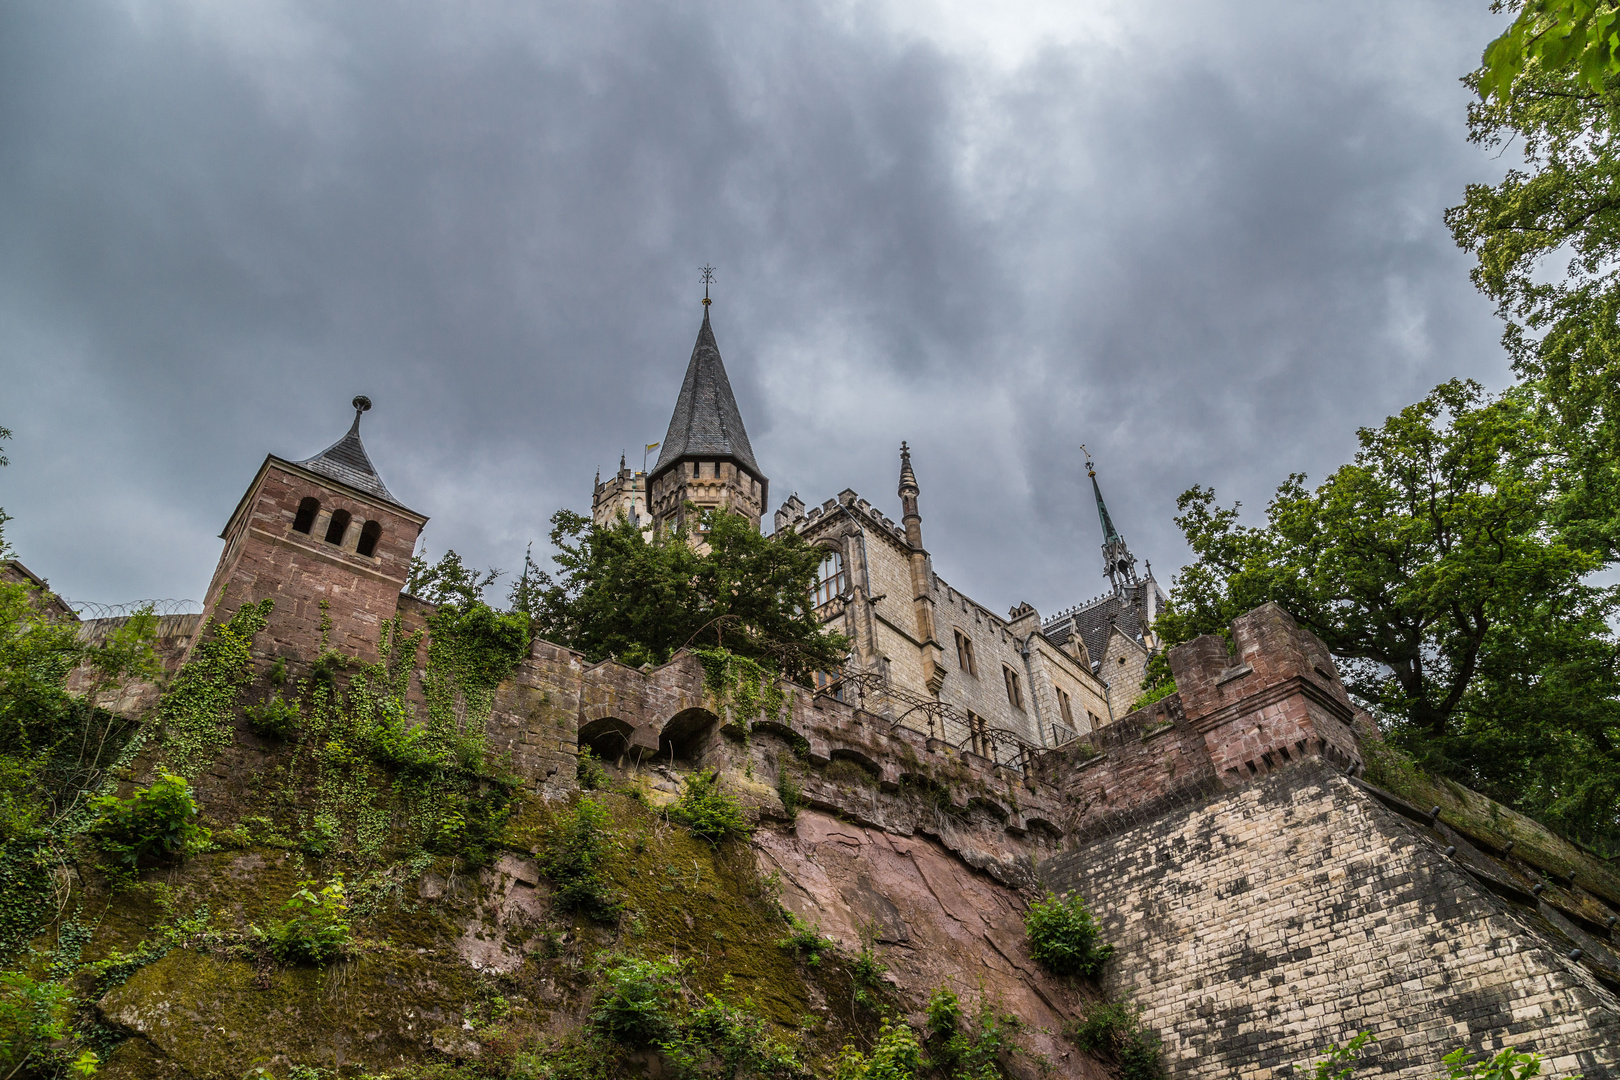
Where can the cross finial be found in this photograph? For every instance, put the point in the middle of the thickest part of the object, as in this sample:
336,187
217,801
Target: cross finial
708,279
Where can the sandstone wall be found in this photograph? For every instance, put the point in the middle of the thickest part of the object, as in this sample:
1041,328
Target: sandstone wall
1261,924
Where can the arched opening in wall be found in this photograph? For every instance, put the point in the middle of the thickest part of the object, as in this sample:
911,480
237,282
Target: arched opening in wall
608,737
830,579
339,526
685,734
370,533
857,758
308,507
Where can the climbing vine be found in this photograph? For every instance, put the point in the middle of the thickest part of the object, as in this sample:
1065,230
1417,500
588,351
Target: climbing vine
748,686
196,716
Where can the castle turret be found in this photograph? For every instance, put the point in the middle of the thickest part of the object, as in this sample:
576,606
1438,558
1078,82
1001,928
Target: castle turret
624,494
326,540
706,458
921,574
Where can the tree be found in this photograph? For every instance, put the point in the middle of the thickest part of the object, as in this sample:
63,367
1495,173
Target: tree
1550,86
618,594
1462,616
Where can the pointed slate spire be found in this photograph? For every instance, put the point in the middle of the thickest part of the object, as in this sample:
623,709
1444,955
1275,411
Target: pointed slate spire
706,423
346,460
1119,565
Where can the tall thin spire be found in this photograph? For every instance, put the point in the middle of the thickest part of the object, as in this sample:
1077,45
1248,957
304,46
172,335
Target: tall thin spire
1119,565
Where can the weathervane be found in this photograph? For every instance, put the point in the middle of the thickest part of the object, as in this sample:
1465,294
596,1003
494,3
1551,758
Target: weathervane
1089,470
708,279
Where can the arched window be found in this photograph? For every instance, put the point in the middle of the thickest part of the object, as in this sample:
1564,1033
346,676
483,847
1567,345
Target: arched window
307,509
830,579
369,535
339,526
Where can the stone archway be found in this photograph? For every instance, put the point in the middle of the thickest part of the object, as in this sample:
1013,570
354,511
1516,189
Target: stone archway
608,737
685,733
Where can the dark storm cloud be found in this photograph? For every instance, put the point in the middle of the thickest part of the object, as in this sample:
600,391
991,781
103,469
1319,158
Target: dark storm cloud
1208,247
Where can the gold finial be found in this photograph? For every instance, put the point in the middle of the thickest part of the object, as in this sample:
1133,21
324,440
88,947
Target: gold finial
708,278
1089,470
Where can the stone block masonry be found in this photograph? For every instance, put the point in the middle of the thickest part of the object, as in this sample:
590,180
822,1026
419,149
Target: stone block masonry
1263,923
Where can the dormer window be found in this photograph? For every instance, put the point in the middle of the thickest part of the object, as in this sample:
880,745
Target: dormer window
339,526
305,519
370,533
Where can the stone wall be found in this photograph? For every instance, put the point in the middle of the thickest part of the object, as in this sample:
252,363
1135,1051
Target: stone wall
1263,923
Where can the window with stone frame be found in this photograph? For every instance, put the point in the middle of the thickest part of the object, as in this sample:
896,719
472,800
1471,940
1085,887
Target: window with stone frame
979,735
1065,708
831,579
308,507
338,527
964,654
1015,692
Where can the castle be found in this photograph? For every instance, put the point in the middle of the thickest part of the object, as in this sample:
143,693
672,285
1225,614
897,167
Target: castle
1264,898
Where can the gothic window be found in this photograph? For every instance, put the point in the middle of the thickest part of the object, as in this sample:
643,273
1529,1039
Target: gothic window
830,684
339,526
307,509
1015,693
964,654
1065,708
369,535
830,579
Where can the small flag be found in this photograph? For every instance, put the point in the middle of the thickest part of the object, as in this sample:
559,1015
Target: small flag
652,446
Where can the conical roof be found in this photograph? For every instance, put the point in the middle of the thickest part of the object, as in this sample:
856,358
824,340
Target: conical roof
1109,532
706,423
346,461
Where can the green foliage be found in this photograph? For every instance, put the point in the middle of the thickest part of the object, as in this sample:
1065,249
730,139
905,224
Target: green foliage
275,718
944,1014
589,770
1507,1064
1434,567
637,1001
33,1015
1340,1061
153,825
806,940
749,686
896,1056
574,856
196,715
965,1051
1063,936
617,595
1114,1029
316,929
448,581
1577,40
708,812
724,1041
791,792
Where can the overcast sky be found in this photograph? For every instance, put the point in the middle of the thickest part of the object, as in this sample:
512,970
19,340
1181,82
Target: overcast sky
1204,239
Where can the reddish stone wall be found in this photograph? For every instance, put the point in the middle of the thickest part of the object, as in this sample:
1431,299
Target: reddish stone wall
265,558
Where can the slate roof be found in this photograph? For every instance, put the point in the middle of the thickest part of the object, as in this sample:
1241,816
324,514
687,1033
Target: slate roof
346,462
706,423
1093,619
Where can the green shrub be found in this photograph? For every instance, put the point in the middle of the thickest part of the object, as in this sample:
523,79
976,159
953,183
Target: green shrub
804,939
637,1004
968,1052
592,776
317,928
159,823
1340,1062
944,1014
897,1056
1063,936
275,719
706,811
575,851
1113,1029
33,1015
1508,1064
792,794
720,1040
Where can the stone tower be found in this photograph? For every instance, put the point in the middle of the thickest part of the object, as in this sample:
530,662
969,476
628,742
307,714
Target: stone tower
324,529
706,458
624,493
1119,565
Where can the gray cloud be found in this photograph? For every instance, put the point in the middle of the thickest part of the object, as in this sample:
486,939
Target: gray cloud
1208,246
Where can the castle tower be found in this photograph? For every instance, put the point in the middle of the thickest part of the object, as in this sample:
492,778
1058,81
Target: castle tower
1119,565
705,458
624,493
324,529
